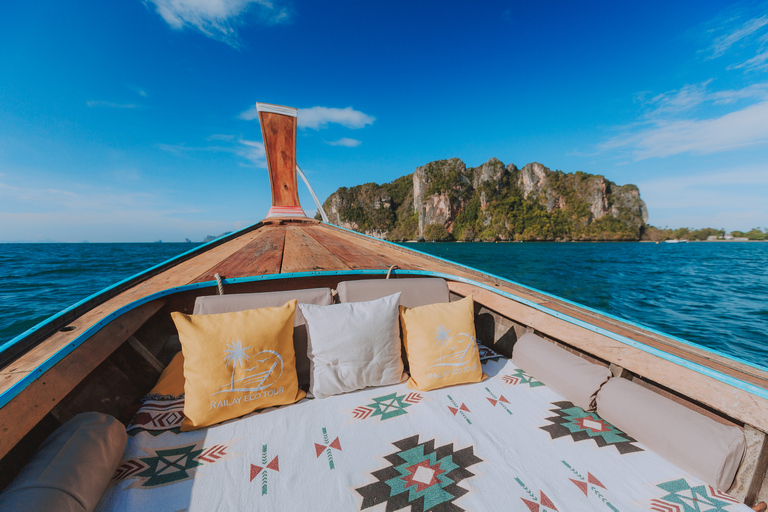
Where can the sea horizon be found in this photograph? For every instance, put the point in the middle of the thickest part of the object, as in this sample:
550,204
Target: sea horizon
708,294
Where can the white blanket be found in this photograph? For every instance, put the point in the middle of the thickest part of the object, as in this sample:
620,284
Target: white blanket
508,443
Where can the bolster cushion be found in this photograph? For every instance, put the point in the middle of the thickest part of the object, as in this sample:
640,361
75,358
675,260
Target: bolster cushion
567,374
71,469
414,292
213,304
701,446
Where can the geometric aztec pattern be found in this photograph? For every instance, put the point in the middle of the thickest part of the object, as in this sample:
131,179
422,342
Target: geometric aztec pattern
590,482
158,416
580,425
458,409
421,477
518,376
256,470
387,406
500,400
170,465
540,504
320,448
681,497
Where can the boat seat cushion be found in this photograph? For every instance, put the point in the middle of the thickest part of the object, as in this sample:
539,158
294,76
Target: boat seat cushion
567,374
241,301
440,343
702,446
354,345
236,363
71,469
414,291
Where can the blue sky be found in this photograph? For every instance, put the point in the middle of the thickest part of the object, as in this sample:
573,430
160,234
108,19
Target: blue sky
131,120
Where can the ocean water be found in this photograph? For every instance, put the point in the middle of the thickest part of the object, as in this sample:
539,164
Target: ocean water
39,280
713,294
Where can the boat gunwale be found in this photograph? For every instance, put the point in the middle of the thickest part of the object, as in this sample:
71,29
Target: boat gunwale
19,345
16,388
632,323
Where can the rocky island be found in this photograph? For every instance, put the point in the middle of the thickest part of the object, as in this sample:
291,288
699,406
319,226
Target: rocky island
444,200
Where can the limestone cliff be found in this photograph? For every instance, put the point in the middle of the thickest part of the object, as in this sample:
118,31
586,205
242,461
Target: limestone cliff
445,200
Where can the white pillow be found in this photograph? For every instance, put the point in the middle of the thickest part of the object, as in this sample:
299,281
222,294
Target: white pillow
353,345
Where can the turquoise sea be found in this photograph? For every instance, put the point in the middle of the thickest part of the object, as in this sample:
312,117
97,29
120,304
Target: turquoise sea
713,294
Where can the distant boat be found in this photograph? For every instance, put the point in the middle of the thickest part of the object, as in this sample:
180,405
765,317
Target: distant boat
673,241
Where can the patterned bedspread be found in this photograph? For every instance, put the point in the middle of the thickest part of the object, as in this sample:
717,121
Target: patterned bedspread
508,443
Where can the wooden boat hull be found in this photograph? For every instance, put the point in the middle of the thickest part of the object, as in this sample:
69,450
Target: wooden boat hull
293,254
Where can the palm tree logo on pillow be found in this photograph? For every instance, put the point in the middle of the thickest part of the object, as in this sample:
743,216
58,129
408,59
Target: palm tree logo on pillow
266,367
454,351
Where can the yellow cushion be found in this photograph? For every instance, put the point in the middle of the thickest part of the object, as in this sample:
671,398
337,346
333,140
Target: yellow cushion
171,381
440,342
236,363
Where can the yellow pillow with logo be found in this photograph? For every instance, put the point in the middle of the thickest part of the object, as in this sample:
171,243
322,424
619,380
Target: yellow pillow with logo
236,363
440,342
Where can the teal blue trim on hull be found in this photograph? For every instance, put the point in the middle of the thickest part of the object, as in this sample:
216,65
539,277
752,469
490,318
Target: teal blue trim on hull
14,390
52,319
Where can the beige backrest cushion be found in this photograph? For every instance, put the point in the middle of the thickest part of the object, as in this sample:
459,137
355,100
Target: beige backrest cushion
701,446
567,374
414,292
213,304
71,469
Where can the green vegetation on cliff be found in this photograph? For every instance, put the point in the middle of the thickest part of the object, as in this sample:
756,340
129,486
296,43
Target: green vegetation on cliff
444,200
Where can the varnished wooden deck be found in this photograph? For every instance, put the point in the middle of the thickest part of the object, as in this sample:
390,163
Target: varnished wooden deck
306,246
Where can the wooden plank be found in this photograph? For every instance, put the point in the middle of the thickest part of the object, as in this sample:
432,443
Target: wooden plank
303,253
36,400
618,371
107,389
733,402
264,255
356,256
279,133
752,470
144,352
409,259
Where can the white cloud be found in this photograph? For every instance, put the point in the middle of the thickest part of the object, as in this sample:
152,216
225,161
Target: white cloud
82,198
109,104
250,114
691,96
673,122
723,43
346,141
253,151
756,91
730,198
756,63
320,117
138,90
221,136
99,213
216,18
680,100
745,127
